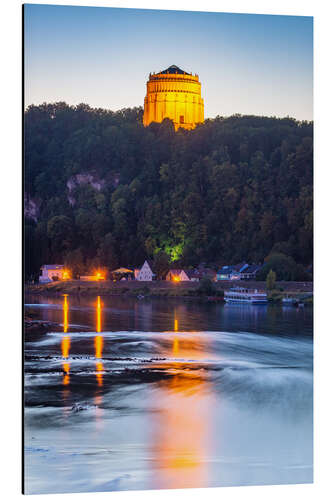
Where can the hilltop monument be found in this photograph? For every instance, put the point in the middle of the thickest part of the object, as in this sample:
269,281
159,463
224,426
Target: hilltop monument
174,94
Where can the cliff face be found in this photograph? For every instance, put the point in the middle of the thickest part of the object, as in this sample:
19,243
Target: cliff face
80,180
31,207
91,180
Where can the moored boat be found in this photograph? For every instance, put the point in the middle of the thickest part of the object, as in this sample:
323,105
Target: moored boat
239,295
289,301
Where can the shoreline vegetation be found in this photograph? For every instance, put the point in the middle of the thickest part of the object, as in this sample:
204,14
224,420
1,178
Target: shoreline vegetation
205,289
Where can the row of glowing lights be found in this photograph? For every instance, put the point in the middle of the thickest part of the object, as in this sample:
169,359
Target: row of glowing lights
66,342
67,275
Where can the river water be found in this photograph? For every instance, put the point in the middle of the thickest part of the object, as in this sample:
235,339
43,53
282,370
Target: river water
145,394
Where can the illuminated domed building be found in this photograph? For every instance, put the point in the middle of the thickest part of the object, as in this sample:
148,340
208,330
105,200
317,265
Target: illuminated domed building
174,94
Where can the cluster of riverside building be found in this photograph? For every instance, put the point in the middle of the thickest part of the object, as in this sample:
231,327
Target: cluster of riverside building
242,271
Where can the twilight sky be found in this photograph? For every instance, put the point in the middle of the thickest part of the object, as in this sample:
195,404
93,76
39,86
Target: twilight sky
248,64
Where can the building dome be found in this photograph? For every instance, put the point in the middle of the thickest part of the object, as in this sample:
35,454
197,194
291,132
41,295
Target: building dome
176,95
172,70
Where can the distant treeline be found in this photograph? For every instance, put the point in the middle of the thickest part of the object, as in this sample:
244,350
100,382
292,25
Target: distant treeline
102,190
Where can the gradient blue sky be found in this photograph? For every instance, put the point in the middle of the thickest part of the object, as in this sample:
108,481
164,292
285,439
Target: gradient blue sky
248,64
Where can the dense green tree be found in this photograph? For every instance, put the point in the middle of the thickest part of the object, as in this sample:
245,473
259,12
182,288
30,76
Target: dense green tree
74,260
161,264
60,233
107,252
113,192
271,279
284,267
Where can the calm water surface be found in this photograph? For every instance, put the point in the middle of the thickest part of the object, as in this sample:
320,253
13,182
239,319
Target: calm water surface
129,394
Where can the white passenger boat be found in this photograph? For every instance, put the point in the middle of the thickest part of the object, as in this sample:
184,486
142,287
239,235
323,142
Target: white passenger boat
289,301
241,295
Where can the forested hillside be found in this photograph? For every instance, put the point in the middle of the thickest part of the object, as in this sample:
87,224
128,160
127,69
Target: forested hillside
100,189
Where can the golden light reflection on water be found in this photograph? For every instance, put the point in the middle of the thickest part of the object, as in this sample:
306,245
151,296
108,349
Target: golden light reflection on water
65,343
182,426
65,311
175,345
99,343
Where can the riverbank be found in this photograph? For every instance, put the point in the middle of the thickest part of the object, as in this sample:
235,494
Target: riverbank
167,289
